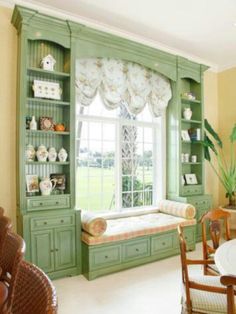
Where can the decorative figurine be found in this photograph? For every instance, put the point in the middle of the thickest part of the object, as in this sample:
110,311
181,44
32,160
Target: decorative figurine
59,127
48,62
42,153
62,155
52,154
187,113
30,153
46,186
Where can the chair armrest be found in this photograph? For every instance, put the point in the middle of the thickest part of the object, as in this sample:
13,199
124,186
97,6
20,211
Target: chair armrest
228,280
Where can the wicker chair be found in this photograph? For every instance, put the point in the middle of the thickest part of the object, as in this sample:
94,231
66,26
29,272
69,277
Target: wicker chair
13,253
5,225
214,220
203,294
34,292
1,211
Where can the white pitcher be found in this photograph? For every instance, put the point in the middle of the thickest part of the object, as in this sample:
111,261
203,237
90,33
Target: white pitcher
46,186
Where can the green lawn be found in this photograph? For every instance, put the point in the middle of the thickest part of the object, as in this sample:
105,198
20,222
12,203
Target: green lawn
94,202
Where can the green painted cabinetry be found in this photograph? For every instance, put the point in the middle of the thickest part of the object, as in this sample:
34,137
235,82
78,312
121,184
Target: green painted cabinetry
49,224
185,171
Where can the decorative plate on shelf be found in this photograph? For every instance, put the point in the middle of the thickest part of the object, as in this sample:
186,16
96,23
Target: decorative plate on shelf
45,89
46,124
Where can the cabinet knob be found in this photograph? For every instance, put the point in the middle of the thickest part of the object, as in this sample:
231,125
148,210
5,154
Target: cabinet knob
62,221
106,256
163,243
57,250
137,250
57,203
41,204
45,223
51,251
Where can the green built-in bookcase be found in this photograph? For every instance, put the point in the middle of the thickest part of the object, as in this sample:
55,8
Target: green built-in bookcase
186,175
49,224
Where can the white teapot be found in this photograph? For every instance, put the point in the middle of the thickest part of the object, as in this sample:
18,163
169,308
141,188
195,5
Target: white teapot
42,153
46,186
52,154
30,153
62,155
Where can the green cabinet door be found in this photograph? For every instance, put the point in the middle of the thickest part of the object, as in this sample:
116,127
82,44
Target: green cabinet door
43,250
64,248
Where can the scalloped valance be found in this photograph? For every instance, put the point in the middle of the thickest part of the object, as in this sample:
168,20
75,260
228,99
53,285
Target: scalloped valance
121,82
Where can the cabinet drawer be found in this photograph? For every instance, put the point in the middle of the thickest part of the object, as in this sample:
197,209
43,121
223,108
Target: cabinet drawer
41,203
103,257
43,223
162,243
192,190
137,249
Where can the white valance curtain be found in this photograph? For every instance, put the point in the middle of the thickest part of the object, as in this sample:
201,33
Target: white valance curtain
121,82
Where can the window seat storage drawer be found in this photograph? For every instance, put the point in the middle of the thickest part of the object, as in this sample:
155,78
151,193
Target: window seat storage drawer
136,249
162,243
51,202
45,223
104,257
107,258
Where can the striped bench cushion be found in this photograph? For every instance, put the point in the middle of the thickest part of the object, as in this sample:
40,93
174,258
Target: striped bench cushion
136,226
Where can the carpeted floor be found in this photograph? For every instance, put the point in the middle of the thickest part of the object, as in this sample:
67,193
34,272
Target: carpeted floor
154,288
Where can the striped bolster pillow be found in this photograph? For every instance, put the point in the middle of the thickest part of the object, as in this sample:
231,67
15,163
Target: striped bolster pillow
93,224
184,210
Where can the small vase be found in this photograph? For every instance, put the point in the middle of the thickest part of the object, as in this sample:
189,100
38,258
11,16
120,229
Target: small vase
30,153
33,124
187,113
62,155
52,154
42,153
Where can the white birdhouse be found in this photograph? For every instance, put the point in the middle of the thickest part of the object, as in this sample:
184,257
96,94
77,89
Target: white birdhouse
48,63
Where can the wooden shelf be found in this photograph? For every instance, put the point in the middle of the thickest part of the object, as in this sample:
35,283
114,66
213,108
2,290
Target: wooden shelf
189,101
191,142
49,74
44,101
191,163
191,121
39,132
48,163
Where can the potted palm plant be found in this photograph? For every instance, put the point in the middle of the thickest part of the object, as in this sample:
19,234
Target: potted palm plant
226,168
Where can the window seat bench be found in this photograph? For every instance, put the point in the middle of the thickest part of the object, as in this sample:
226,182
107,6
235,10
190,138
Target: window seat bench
134,238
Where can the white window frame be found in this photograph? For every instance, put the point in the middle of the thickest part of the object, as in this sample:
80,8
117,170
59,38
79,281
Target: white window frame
159,167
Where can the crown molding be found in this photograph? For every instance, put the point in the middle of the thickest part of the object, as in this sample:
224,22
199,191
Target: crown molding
52,11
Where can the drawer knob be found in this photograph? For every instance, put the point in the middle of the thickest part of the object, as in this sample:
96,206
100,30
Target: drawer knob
57,203
51,251
106,256
163,243
57,250
45,223
41,204
62,221
137,250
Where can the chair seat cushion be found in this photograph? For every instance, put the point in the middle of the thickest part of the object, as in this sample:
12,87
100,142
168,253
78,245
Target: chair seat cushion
207,302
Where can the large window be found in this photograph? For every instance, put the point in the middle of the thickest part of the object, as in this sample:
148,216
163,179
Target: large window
119,158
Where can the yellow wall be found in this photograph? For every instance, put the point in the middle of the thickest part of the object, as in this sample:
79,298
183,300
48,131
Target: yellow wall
227,111
212,115
8,56
222,118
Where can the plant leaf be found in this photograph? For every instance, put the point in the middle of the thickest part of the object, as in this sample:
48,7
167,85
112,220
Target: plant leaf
209,128
233,134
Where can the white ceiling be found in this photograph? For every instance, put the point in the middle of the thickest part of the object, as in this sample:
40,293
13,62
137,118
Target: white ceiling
203,30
